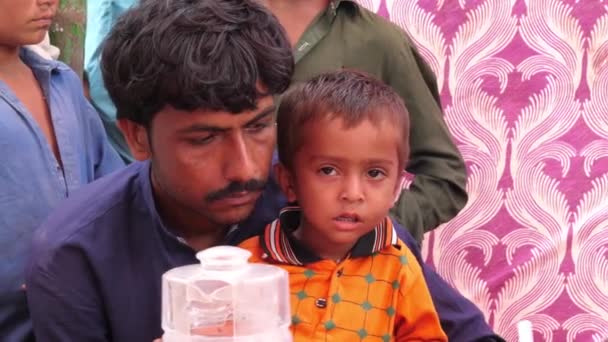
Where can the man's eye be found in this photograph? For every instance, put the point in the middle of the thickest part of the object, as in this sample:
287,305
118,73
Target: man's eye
202,140
258,127
328,171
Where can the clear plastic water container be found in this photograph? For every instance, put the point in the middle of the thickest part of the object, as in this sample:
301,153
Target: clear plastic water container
226,299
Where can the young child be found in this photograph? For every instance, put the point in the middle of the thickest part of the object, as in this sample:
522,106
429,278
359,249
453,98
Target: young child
51,143
342,140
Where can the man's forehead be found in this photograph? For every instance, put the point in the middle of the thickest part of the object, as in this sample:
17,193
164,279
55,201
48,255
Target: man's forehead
222,119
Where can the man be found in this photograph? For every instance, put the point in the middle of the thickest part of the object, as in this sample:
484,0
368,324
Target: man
193,83
328,35
51,143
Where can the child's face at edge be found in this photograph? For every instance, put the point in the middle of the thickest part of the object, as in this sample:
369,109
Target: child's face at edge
345,180
25,22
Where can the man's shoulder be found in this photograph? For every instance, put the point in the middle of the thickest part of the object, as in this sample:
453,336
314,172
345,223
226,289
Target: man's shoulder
364,33
96,208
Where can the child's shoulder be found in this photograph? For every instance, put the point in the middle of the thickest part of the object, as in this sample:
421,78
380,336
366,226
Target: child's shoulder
405,249
405,256
254,246
58,69
252,242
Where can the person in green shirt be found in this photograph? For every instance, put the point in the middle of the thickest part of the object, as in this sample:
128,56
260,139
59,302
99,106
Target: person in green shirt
332,34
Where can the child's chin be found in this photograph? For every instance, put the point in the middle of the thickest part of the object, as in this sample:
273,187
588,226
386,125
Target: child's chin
34,39
343,238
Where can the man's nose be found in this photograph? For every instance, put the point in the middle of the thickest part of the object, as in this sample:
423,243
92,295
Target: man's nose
240,165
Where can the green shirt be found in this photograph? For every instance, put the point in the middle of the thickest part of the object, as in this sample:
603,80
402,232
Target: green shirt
349,36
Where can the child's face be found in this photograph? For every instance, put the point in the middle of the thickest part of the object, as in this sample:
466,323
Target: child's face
345,180
24,22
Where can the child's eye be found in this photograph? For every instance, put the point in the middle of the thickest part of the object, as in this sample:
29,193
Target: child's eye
375,173
328,171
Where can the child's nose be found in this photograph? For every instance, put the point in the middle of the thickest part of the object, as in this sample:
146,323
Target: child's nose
353,190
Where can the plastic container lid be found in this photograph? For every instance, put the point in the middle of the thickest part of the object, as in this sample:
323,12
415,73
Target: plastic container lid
226,298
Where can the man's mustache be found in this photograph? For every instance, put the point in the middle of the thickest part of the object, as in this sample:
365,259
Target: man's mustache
252,185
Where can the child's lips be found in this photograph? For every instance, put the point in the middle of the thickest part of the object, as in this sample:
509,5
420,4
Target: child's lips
44,21
347,221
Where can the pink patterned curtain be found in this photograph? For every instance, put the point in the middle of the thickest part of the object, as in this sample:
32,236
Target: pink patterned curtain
524,87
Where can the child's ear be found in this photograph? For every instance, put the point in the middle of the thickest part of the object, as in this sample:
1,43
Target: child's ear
285,180
399,187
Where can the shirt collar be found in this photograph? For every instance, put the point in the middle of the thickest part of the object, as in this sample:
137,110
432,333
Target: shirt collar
319,27
36,62
335,4
280,245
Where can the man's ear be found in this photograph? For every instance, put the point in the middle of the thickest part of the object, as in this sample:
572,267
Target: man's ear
136,136
285,180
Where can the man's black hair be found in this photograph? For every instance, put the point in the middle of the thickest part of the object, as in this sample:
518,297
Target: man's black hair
217,55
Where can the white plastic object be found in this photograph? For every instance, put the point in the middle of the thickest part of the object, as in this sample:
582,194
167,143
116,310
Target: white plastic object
226,299
524,331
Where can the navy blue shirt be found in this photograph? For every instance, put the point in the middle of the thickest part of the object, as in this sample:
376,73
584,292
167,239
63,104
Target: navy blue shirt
95,272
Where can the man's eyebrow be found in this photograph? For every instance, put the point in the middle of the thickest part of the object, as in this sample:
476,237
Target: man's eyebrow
204,128
270,110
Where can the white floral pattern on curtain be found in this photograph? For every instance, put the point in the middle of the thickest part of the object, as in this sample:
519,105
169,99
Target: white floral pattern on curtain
524,86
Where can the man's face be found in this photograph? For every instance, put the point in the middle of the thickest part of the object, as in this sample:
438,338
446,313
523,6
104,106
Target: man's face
24,22
209,168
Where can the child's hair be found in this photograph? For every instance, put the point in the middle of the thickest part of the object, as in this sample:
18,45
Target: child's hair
348,95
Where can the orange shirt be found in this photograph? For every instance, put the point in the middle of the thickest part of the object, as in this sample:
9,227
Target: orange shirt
377,293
